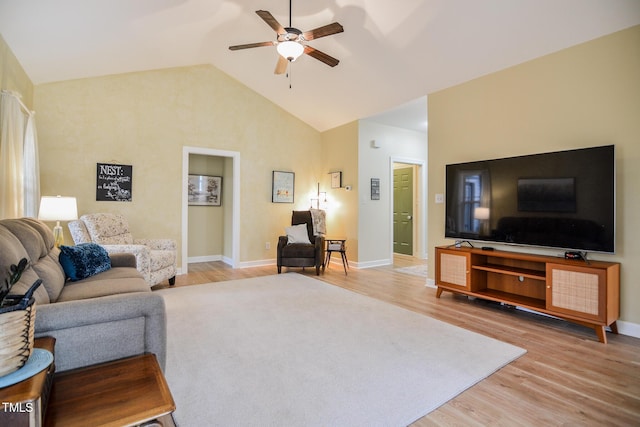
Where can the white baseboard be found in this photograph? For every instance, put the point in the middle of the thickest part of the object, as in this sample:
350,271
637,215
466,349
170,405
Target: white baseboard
258,263
369,264
206,258
628,328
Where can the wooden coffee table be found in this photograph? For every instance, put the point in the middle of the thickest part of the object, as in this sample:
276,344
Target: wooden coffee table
124,392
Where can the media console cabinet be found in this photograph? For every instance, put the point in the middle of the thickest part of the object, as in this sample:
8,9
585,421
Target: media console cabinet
584,292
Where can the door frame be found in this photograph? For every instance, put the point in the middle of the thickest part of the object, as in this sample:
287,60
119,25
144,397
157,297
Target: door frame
235,217
421,191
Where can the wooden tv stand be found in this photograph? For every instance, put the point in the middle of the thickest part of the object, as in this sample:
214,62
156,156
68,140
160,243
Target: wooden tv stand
587,293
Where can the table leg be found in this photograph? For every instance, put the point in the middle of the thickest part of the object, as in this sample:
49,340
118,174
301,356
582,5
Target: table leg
345,263
327,259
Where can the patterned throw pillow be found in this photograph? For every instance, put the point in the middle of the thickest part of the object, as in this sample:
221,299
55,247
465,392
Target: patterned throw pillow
84,260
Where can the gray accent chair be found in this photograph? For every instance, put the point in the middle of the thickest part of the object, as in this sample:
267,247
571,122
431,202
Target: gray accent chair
301,254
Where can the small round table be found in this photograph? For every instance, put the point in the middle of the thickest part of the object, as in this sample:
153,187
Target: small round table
337,245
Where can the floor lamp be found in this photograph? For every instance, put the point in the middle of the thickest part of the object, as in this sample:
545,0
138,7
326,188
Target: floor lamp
58,208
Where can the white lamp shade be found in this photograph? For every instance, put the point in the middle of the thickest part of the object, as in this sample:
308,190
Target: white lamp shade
481,213
58,208
290,50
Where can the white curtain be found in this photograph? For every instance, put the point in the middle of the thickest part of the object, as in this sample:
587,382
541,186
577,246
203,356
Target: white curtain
19,164
11,157
31,169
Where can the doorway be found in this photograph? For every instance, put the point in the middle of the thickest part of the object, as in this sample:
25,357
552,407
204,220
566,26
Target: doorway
230,203
417,208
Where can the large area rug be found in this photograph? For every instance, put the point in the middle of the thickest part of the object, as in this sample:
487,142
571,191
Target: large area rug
289,350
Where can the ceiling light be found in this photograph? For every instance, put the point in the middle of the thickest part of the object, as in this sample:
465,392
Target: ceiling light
290,50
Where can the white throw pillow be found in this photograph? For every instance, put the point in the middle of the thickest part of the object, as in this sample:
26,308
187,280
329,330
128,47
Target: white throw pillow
297,234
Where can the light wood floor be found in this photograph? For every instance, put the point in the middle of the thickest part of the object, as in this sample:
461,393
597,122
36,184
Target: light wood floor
567,377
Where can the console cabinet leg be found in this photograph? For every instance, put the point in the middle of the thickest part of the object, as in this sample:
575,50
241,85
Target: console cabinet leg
439,292
602,334
614,328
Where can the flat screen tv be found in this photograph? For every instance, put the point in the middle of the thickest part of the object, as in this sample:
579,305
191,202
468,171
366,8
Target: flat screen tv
564,199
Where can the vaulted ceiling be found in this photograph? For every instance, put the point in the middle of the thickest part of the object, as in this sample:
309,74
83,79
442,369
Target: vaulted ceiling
391,53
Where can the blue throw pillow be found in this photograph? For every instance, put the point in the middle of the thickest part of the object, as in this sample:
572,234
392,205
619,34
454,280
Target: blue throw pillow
84,260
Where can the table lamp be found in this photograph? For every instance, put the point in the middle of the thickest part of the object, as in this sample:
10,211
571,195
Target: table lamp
58,208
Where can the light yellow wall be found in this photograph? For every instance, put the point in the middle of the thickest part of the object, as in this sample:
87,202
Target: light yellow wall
144,119
13,76
587,95
340,153
207,223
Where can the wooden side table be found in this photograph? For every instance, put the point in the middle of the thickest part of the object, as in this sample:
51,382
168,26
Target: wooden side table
125,392
25,403
337,245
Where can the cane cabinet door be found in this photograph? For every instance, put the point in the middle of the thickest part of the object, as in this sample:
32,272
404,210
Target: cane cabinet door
577,291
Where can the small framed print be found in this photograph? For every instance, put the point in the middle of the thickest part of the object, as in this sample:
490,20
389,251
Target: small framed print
282,187
336,179
375,188
205,190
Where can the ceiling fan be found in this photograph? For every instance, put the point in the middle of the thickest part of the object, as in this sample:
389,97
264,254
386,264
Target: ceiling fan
290,41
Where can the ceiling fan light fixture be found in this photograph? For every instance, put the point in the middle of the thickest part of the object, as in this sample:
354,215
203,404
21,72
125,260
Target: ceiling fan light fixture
290,50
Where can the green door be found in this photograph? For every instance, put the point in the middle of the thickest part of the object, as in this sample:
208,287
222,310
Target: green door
403,211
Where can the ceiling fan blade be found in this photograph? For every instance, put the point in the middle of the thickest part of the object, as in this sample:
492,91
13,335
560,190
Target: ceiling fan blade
250,45
321,56
271,21
281,66
324,31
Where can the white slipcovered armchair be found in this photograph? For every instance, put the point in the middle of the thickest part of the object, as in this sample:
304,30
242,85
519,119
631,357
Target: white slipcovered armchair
155,258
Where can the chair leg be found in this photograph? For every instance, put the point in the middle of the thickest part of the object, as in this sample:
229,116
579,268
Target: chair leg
172,281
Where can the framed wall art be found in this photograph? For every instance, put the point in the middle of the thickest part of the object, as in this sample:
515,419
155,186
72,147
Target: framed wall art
205,190
336,179
282,187
375,188
113,182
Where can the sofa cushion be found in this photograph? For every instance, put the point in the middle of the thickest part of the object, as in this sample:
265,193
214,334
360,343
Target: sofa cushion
26,280
31,237
84,260
50,271
114,281
12,251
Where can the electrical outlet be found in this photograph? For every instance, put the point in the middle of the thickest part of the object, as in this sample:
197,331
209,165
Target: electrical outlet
267,245
439,198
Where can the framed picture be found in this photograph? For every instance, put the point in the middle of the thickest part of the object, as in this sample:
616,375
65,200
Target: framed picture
375,188
205,190
282,187
113,182
336,179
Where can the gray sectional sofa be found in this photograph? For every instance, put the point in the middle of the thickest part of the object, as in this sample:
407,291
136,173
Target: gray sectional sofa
110,315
